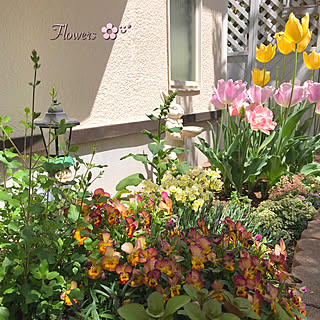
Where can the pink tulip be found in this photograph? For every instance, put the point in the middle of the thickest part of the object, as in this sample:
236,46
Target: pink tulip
226,92
260,118
282,95
317,108
260,95
314,91
239,103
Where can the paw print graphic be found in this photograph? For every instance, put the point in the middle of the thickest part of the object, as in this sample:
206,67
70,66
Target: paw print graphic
109,31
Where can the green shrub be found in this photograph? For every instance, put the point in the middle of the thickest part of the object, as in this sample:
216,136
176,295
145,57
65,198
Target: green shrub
285,218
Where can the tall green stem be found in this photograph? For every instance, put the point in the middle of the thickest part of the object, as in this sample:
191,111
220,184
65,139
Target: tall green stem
284,68
293,80
276,87
264,74
31,137
218,144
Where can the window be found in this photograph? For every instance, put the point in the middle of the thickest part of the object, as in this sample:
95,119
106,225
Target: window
184,44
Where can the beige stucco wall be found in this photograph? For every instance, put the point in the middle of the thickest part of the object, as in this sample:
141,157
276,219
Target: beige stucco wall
101,82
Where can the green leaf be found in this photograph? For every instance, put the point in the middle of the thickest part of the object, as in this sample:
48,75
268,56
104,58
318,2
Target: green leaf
33,296
133,311
74,149
155,304
155,148
4,196
174,130
152,117
132,180
178,150
4,313
183,168
253,315
13,225
292,121
44,267
37,208
73,213
266,142
52,275
282,314
10,163
8,291
311,168
212,308
175,304
306,125
27,233
193,311
139,157
17,271
6,119
191,291
148,133
7,129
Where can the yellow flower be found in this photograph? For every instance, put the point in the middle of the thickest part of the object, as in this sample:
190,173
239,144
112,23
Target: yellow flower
304,42
284,45
265,54
294,31
312,61
257,77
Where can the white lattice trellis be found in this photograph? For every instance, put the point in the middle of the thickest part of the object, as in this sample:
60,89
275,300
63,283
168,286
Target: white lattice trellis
269,17
238,25
270,20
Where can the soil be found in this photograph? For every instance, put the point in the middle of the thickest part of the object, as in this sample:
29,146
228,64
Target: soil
255,196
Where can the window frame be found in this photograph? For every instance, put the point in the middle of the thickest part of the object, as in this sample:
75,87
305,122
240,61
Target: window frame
187,85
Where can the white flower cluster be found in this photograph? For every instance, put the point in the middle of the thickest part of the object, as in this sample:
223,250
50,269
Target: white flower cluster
193,188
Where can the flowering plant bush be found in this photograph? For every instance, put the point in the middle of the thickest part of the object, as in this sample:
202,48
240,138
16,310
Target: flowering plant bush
255,147
194,188
303,187
288,186
133,249
284,218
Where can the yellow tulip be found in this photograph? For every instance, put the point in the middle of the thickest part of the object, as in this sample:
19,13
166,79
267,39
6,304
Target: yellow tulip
312,61
294,31
257,77
265,54
304,42
284,45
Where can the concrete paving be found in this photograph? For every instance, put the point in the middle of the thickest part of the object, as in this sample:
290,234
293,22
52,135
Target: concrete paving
306,266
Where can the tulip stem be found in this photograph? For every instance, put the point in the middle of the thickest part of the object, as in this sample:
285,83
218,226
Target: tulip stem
284,67
293,80
275,103
312,75
317,125
314,112
264,74
221,125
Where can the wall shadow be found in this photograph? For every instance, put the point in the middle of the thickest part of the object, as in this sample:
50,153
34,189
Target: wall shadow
74,67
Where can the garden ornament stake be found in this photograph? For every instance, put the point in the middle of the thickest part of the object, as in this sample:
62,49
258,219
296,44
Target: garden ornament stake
59,128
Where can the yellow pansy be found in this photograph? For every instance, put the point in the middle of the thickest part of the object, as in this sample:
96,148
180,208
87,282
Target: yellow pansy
296,31
304,42
284,45
257,77
312,61
265,54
